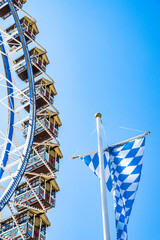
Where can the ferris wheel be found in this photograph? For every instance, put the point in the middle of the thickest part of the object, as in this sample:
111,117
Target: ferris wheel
29,149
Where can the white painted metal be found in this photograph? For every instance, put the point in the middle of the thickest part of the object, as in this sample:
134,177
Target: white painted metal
105,217
35,194
120,143
47,166
17,225
43,72
16,149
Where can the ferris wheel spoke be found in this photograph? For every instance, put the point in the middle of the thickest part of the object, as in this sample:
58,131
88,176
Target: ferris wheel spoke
18,129
7,36
50,170
35,194
42,72
14,86
12,158
47,102
2,188
3,53
37,44
28,207
25,13
6,106
6,86
20,108
17,149
2,145
10,165
8,140
4,179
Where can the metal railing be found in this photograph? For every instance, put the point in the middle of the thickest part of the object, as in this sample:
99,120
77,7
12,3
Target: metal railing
41,90
13,231
39,190
39,127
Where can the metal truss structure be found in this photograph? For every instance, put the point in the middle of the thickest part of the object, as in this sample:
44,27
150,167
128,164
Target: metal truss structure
29,149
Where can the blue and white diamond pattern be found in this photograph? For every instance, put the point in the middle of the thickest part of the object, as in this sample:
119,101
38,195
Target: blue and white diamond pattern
122,165
92,161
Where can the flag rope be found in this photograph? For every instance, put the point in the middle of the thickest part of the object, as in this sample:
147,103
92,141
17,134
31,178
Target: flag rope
117,144
122,127
83,143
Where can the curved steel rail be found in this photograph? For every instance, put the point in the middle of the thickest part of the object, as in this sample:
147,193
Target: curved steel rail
11,106
32,121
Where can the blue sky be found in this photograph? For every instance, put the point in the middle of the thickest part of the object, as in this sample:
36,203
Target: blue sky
104,57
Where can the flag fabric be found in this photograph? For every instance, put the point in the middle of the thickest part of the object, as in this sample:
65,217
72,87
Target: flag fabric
92,161
122,166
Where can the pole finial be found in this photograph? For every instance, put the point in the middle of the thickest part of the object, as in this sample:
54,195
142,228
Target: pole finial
98,115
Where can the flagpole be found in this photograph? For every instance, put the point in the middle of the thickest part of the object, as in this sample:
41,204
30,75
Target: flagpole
105,218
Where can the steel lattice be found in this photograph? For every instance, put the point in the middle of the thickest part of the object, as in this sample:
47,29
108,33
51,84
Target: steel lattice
29,147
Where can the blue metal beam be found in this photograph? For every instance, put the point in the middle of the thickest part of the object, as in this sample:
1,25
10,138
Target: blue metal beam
11,106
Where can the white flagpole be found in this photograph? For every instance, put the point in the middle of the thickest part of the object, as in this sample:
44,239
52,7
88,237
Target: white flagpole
105,218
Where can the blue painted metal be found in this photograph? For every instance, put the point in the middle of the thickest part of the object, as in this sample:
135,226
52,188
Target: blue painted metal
14,183
11,106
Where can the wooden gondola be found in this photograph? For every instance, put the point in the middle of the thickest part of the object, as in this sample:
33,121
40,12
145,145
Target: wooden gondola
5,10
33,224
30,31
45,189
39,62
47,126
45,93
43,158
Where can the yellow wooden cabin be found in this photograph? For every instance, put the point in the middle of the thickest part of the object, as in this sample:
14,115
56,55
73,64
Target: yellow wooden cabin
39,62
47,126
5,9
29,28
44,159
45,93
45,188
33,225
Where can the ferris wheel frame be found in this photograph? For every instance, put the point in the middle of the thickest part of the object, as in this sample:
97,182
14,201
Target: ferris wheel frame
9,191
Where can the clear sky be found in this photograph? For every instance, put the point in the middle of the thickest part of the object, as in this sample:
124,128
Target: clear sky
104,57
